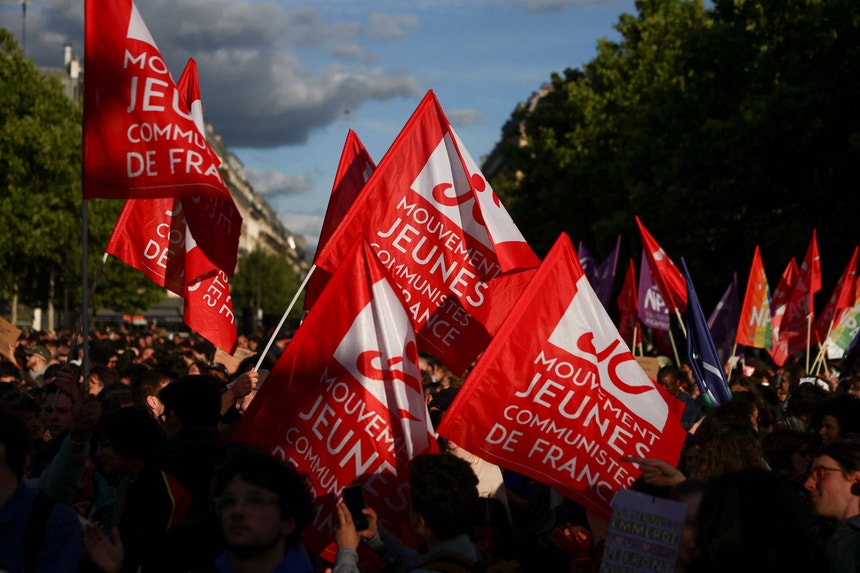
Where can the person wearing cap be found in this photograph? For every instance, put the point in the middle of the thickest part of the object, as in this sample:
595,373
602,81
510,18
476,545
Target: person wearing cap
38,359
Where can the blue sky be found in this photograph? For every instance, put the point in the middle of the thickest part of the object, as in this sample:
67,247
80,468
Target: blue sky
283,81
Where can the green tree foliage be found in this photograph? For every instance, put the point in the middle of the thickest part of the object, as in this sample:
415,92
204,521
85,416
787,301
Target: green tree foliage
267,281
723,128
41,199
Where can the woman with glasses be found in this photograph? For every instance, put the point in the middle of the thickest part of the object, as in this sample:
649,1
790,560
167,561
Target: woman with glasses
834,491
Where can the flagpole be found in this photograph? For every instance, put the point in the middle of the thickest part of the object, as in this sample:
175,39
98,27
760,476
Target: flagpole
822,348
633,342
680,321
808,338
284,318
674,348
85,303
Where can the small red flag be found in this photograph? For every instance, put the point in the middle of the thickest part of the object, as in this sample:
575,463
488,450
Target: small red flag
628,304
842,298
755,324
672,285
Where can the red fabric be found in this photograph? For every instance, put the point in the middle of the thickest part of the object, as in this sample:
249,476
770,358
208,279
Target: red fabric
779,304
628,305
152,236
353,171
669,279
130,92
558,396
345,402
842,298
755,323
440,230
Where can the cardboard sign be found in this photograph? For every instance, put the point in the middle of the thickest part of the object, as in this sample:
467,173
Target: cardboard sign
9,334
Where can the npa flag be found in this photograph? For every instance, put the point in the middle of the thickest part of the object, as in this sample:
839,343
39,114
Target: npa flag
574,398
628,305
704,360
353,171
344,402
667,276
652,311
842,298
441,232
843,337
754,325
723,322
139,139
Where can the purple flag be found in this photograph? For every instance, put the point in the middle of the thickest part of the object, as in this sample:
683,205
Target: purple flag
653,311
723,322
604,275
587,262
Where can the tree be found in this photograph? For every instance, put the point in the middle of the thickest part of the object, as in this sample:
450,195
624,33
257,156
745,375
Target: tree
41,199
265,281
722,128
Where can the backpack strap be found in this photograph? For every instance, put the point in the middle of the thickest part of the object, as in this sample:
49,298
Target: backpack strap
34,534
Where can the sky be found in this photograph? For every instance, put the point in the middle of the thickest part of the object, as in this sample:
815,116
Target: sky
282,81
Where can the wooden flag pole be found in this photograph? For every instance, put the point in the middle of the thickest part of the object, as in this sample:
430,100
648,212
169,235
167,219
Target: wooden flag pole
284,318
808,338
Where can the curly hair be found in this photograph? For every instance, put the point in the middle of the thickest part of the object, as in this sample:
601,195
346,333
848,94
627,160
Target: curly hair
733,447
444,490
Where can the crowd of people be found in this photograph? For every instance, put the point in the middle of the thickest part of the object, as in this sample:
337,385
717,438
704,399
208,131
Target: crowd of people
130,468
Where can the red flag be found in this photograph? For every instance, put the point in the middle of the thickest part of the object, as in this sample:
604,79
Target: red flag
628,304
139,139
800,303
214,222
755,324
151,235
575,399
344,402
841,299
672,285
438,227
353,171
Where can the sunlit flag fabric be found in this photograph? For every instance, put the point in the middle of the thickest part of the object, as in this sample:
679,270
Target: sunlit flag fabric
628,306
754,325
353,171
139,136
794,321
704,360
442,233
652,311
723,321
153,236
841,299
344,402
558,396
667,276
844,335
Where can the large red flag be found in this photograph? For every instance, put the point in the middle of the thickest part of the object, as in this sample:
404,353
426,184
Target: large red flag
438,227
344,402
139,137
841,299
754,326
558,396
151,235
353,171
800,303
672,285
628,304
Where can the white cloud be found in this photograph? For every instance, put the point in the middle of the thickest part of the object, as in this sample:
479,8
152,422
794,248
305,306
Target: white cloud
464,117
555,5
269,183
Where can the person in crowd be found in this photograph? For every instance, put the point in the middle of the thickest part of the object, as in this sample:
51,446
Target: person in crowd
36,534
837,417
673,379
834,491
10,373
802,405
145,387
38,359
443,498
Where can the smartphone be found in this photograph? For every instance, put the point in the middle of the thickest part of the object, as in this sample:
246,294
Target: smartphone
353,497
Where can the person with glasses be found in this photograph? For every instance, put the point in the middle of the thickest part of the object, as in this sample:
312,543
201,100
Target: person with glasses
834,491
